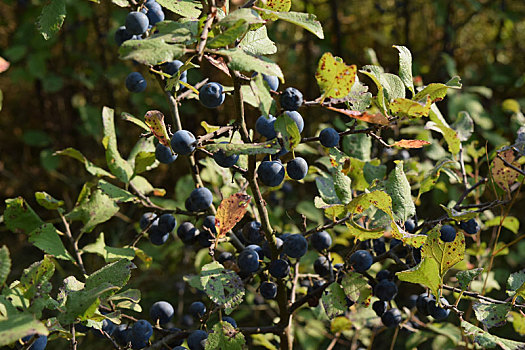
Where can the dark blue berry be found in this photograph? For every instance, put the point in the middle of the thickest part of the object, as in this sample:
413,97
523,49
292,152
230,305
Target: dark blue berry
361,260
297,168
291,99
329,137
321,240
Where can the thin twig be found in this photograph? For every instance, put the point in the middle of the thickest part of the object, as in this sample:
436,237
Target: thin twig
73,243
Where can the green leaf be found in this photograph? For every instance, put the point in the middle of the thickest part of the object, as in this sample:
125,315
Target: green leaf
404,107
35,279
47,201
19,326
223,287
5,265
343,188
487,340
326,189
108,253
459,215
90,167
518,322
511,223
362,233
225,337
52,18
116,193
340,324
334,301
116,164
432,177
426,273
439,124
172,32
151,51
84,303
184,8
438,91
242,61
446,254
117,274
356,288
47,239
268,147
95,209
257,43
516,284
307,21
491,315
359,98
120,3
248,15
357,146
133,295
262,92
229,36
289,132
467,276
20,217
373,172
398,188
405,67
393,86
334,77
128,117
464,126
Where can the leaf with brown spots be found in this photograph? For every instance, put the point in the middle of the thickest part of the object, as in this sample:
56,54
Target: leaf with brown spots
230,212
502,174
410,143
334,77
376,118
155,121
404,107
445,254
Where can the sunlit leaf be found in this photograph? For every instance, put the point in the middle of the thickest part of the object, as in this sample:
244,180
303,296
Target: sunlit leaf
230,212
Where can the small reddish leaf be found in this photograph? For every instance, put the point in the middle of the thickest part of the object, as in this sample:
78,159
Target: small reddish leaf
4,65
155,121
230,212
376,118
411,143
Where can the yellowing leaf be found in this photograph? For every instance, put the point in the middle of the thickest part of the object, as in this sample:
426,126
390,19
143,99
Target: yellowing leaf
502,174
155,121
334,77
426,273
410,143
445,254
230,212
376,118
278,5
408,108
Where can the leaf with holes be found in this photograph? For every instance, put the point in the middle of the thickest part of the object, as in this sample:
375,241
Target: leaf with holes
446,254
155,121
334,301
334,77
410,143
223,287
426,273
467,276
230,212
356,288
487,340
225,336
491,315
503,175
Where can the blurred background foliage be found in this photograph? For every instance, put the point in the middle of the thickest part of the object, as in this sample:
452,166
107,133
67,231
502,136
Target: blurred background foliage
54,91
